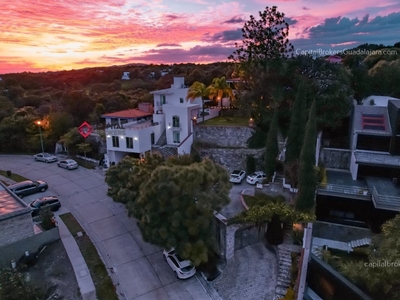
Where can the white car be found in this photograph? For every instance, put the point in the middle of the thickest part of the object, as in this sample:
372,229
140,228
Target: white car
46,157
237,176
183,269
256,177
68,164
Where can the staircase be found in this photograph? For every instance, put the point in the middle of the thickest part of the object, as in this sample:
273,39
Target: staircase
278,178
162,140
284,272
360,242
317,251
168,151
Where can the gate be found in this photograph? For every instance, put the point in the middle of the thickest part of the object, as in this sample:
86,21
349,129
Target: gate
248,235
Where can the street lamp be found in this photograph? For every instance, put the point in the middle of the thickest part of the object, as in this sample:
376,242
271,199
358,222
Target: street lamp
40,133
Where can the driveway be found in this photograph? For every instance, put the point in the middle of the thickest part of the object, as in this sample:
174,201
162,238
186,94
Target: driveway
138,268
235,206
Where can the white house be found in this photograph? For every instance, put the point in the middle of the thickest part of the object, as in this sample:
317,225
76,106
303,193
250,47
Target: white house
136,131
125,76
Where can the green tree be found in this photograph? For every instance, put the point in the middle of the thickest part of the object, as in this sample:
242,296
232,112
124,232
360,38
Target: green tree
126,178
71,139
198,90
59,124
307,174
176,203
264,39
14,287
6,108
271,148
85,148
220,89
382,282
297,125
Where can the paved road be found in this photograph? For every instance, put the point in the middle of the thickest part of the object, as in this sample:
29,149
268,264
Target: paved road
139,269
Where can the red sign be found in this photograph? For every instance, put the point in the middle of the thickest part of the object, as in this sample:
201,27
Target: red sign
85,129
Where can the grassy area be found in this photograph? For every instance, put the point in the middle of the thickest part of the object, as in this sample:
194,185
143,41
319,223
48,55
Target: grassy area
15,177
105,289
227,121
261,199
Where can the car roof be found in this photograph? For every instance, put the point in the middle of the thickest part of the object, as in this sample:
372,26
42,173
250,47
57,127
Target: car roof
70,160
19,184
46,198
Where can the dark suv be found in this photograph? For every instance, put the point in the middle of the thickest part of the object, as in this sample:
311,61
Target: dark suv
50,202
28,187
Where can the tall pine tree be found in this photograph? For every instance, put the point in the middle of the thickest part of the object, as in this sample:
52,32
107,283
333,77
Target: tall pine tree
297,125
307,175
271,148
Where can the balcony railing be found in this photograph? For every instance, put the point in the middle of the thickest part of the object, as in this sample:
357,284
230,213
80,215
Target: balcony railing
141,125
344,191
385,202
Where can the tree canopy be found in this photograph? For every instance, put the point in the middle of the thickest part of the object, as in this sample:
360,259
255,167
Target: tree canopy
173,201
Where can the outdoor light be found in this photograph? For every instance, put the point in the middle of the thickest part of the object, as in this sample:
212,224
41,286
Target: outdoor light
40,133
251,119
169,127
108,135
121,137
135,138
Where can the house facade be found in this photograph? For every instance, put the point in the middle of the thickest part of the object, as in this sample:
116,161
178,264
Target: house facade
168,122
367,192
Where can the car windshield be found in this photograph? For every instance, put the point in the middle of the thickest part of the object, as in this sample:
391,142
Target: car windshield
253,175
236,172
187,269
46,155
35,204
234,175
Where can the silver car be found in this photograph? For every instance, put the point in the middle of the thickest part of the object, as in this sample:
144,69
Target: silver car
46,157
68,164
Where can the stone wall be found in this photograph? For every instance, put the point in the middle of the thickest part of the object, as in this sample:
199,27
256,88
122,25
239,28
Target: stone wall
336,158
223,136
16,227
233,159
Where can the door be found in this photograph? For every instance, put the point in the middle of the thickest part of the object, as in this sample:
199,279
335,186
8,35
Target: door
152,138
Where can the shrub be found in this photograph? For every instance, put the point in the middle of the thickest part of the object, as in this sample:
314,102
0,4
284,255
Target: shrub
250,164
46,216
257,140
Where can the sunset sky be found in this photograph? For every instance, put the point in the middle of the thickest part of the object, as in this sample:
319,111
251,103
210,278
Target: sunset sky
50,35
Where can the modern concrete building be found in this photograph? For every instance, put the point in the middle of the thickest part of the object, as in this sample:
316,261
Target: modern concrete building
366,191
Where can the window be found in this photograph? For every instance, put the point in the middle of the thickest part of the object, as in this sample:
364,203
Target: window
181,100
129,143
175,121
162,99
115,141
176,137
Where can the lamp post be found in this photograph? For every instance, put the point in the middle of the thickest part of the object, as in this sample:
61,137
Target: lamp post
40,133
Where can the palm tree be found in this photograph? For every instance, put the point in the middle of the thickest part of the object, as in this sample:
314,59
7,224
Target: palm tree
219,89
196,90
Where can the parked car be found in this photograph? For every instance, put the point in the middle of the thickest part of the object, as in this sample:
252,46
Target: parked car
256,177
39,204
183,269
68,164
28,187
46,157
237,176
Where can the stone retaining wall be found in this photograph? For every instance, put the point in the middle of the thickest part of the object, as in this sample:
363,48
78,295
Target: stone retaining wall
223,136
336,158
233,159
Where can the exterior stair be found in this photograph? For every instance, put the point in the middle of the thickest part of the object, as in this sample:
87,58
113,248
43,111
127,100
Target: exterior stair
317,251
284,272
162,140
360,242
168,151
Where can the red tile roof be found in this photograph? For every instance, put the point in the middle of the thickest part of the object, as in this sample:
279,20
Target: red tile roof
129,113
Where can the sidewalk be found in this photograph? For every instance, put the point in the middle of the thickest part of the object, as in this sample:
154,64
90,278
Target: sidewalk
81,270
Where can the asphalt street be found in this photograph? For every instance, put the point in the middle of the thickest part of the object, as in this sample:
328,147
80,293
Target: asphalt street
138,268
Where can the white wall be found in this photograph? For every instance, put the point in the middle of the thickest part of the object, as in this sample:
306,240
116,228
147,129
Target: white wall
186,146
353,166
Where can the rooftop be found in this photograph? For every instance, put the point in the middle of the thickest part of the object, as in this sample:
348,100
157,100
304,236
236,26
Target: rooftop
129,113
9,203
378,101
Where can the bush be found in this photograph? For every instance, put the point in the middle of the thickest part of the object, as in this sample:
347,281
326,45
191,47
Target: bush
46,216
250,164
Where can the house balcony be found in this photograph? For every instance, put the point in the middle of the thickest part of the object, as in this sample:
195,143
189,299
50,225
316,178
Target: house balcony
140,125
